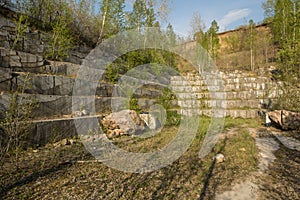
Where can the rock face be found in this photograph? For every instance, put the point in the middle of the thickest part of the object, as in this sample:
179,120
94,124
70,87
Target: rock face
241,94
12,58
125,122
33,43
286,120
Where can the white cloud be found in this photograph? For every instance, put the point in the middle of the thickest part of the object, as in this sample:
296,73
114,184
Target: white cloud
233,16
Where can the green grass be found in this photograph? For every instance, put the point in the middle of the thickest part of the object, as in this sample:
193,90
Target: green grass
240,122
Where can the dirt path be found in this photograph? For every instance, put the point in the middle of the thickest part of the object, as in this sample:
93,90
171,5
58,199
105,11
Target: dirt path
260,184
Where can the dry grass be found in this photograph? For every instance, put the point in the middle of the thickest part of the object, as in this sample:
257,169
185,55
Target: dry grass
53,173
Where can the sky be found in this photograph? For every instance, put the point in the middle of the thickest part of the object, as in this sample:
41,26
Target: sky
229,14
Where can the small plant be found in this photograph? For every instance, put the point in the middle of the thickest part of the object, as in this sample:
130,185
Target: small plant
166,100
134,105
20,29
16,122
112,73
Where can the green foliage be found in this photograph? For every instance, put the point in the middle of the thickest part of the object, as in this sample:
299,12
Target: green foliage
113,18
61,39
93,21
171,35
133,104
142,15
112,73
20,29
289,99
269,8
233,42
286,30
86,25
173,118
209,40
137,58
42,11
285,15
166,99
212,40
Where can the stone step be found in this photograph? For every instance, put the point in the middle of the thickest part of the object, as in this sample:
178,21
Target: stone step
50,106
61,85
53,84
226,104
54,105
199,80
235,78
228,95
51,130
234,113
229,87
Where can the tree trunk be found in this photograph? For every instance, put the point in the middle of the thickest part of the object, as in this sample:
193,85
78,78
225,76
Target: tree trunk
103,22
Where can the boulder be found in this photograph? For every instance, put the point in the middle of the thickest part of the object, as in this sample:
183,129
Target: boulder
286,120
125,122
275,117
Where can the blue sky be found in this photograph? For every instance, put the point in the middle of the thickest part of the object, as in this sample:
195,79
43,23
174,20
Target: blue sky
228,13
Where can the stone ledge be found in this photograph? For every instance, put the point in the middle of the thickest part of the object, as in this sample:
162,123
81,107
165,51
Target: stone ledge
17,59
44,131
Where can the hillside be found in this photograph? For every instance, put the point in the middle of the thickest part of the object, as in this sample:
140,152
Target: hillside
235,52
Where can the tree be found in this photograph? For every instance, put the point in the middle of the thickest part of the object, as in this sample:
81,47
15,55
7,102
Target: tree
43,11
171,34
142,15
212,43
286,34
162,8
20,29
251,40
159,9
61,39
86,22
286,30
269,8
197,27
6,4
113,16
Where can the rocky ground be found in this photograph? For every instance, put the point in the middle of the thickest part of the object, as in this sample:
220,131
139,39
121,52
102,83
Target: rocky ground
278,173
259,164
